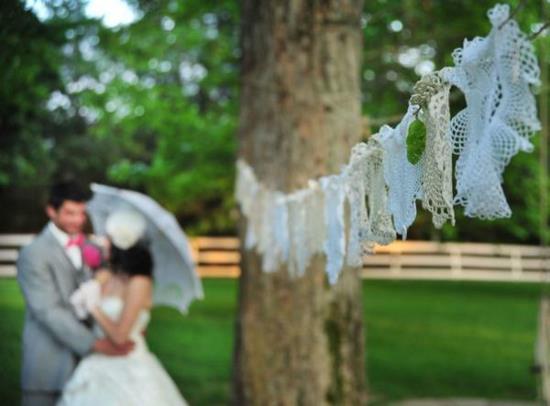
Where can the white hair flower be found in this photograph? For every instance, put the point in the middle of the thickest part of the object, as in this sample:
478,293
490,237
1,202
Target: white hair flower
125,227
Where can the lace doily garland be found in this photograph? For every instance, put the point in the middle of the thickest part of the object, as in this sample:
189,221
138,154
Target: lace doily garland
495,74
380,186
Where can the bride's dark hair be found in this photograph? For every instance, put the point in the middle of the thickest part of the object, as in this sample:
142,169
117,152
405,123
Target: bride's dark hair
136,260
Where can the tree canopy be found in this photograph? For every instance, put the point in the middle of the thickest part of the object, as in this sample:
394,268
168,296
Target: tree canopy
153,105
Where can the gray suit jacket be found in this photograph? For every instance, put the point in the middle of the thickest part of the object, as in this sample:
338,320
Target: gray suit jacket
53,338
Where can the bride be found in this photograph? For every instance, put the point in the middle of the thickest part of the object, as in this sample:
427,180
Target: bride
122,313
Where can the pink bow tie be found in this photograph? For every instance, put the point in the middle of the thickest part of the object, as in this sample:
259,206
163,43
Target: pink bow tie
77,240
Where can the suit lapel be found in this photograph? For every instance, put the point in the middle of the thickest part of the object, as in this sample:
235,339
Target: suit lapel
83,274
58,251
64,269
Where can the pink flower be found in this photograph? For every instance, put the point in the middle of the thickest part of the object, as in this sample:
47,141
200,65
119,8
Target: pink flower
92,256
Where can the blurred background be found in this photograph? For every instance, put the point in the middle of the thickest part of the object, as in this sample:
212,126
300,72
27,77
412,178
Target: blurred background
144,94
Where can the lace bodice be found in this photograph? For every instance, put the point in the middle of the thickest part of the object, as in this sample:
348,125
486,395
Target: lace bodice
112,306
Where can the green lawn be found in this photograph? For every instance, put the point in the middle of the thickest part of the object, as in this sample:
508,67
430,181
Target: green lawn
424,339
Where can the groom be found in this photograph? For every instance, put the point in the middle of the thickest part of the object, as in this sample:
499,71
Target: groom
48,271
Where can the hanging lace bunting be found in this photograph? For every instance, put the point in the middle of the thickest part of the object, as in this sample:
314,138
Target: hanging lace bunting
307,228
275,237
356,177
402,177
495,74
380,227
380,186
335,243
436,163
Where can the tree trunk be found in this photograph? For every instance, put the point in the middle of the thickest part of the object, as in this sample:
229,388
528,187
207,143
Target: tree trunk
299,341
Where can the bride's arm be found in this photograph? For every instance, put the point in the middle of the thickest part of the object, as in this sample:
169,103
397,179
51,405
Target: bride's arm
138,296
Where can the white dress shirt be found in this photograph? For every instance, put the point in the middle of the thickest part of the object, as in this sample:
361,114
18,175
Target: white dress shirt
73,252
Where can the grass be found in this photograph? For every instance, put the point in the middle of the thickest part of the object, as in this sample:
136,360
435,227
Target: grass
445,339
424,339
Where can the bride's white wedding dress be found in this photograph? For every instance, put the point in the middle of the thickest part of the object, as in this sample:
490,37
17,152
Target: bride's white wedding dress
137,379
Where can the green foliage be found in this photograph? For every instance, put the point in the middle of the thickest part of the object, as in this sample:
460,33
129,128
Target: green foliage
170,104
42,133
28,74
416,141
153,106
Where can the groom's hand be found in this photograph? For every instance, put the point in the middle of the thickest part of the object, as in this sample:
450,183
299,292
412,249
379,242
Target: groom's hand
106,346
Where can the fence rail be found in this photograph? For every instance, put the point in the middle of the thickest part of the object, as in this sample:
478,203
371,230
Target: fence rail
219,257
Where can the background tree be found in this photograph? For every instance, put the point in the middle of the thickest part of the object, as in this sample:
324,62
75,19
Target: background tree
42,131
25,89
170,103
151,106
299,341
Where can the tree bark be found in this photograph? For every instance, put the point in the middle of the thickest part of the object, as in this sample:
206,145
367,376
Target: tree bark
299,341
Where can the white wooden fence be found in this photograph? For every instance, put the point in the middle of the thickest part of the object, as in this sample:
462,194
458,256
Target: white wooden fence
220,257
